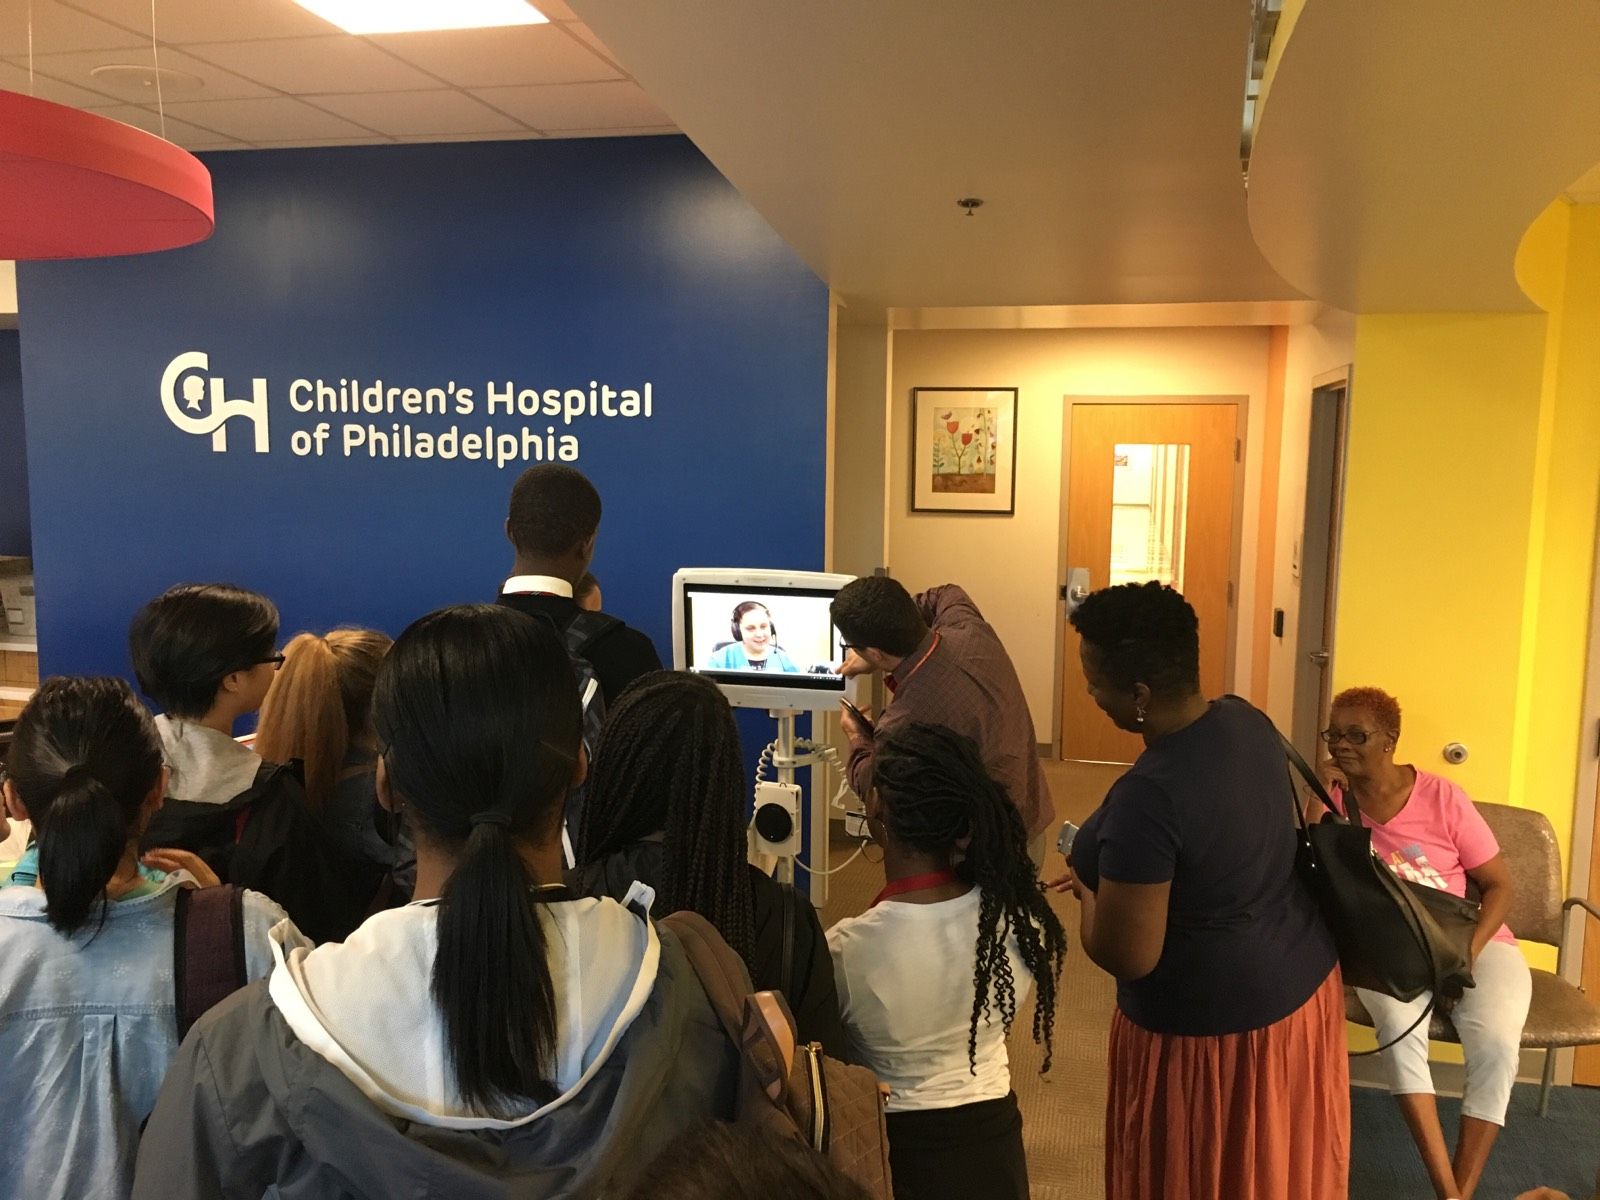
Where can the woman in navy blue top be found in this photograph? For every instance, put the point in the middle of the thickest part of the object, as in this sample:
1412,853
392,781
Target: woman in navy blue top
1228,1075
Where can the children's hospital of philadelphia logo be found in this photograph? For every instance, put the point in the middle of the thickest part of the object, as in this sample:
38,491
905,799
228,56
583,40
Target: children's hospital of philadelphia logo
196,401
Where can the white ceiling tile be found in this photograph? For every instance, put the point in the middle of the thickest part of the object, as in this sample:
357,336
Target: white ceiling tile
420,113
182,132
302,66
277,118
217,84
478,58
14,78
181,21
641,131
578,105
58,29
587,36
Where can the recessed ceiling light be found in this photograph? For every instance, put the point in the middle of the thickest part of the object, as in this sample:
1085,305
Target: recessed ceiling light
141,78
416,16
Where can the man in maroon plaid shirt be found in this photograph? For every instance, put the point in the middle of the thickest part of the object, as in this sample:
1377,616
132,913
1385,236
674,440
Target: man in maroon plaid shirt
943,665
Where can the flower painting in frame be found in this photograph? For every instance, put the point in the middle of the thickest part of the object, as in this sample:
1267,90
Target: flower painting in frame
964,450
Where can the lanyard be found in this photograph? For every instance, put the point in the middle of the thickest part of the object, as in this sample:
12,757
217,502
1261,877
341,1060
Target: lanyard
915,883
896,684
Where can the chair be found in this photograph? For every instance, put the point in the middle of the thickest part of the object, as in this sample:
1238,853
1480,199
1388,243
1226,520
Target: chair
1559,1015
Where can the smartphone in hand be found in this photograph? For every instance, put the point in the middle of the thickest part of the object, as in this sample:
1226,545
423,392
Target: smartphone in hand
861,717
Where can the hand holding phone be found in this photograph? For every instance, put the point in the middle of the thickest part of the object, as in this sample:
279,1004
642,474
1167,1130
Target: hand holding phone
860,717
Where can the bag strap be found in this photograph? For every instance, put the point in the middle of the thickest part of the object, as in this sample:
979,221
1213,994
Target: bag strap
208,950
788,914
1352,807
755,1022
587,628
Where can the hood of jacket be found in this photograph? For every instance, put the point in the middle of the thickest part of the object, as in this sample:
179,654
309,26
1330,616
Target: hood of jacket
207,767
367,1008
367,1113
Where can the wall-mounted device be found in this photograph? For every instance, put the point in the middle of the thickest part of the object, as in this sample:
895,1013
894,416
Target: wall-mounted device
1455,753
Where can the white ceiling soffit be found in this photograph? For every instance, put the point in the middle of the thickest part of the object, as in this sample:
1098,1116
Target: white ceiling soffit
1403,149
243,73
1102,137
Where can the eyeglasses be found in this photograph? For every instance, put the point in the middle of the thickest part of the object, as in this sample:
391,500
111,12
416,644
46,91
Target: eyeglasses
848,647
277,661
1356,737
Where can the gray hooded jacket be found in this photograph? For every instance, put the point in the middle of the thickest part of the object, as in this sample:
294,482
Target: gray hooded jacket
296,1088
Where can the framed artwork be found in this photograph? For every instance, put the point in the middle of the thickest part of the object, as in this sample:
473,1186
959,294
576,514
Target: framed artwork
964,450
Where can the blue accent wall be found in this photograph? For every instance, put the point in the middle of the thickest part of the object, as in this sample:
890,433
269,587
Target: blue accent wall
546,265
15,537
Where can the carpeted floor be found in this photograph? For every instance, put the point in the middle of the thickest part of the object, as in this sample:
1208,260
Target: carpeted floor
1560,1151
1064,1111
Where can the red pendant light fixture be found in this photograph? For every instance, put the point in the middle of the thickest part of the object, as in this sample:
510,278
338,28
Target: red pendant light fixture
77,185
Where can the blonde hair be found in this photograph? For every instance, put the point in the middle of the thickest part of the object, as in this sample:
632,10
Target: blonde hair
320,702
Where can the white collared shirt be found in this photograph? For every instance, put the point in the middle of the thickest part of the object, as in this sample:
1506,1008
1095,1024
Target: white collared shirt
548,584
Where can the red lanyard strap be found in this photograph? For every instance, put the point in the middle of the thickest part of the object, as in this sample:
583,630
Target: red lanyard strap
915,883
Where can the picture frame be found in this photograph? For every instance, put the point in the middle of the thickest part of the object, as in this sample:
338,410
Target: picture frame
964,450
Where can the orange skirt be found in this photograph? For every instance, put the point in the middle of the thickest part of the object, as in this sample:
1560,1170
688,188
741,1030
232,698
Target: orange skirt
1259,1115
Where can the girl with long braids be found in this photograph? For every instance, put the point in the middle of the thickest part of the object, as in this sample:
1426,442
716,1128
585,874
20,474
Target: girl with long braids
931,976
666,807
495,1037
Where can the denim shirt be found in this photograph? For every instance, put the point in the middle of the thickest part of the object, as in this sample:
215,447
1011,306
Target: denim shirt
88,1027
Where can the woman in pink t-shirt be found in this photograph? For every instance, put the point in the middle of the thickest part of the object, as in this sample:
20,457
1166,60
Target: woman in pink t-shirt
1426,829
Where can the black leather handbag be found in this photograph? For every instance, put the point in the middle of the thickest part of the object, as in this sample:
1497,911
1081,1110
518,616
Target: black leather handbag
1393,936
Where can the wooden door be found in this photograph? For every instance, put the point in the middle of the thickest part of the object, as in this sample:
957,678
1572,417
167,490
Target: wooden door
1150,494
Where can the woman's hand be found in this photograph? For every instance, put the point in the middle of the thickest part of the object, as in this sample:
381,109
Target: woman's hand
1067,882
1330,776
170,860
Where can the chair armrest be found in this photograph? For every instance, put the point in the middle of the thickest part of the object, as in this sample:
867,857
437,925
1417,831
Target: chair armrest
1578,901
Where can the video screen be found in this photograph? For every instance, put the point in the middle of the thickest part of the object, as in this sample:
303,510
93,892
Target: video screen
781,638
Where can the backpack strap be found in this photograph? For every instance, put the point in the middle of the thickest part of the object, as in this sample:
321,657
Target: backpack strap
758,1023
787,913
207,950
587,628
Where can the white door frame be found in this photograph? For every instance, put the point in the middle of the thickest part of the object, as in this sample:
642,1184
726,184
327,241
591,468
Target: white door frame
1241,426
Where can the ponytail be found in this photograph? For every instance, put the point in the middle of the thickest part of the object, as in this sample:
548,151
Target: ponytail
477,710
937,798
490,978
320,703
83,759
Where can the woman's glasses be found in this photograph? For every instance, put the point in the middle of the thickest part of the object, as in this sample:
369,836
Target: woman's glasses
277,661
1356,737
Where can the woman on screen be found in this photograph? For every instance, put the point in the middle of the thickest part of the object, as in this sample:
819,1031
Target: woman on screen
755,645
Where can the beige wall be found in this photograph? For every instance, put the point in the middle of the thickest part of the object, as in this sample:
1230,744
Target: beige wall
1010,564
860,434
1324,345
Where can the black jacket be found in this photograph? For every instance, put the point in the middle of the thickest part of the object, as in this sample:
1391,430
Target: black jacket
267,839
812,996
619,655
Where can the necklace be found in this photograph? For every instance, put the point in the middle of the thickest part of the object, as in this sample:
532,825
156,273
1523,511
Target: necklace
915,883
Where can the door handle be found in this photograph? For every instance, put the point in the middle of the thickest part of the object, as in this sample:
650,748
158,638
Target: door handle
1320,657
1076,589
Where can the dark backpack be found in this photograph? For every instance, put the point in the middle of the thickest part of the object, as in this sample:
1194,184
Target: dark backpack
582,632
208,962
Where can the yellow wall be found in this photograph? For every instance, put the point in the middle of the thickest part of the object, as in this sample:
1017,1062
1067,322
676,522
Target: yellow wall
1470,526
